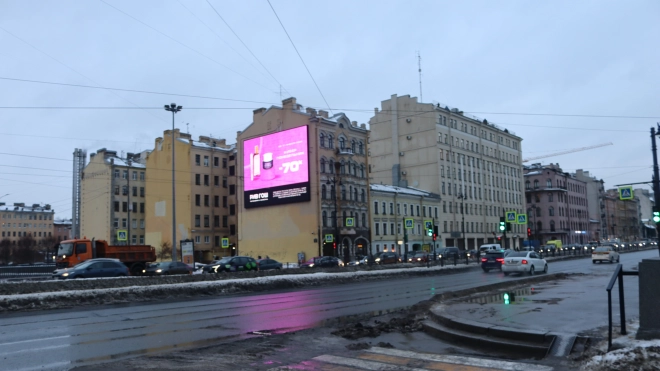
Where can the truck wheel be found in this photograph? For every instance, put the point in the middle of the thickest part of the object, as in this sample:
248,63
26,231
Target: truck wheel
136,269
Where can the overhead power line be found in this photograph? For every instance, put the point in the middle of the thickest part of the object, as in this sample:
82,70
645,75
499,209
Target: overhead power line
185,46
245,45
300,56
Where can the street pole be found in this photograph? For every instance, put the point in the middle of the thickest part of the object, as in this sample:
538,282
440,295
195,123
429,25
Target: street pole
174,109
128,186
656,180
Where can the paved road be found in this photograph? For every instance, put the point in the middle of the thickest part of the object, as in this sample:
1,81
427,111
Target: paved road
64,339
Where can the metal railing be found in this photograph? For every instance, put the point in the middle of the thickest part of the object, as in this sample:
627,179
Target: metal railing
27,270
618,275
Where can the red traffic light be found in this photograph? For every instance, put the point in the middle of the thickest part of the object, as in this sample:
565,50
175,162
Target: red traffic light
499,238
434,236
334,245
529,232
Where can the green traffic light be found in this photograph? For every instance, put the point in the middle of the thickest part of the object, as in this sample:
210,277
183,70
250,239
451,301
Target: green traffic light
656,217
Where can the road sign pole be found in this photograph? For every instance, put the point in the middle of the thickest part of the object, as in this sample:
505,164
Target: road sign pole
656,179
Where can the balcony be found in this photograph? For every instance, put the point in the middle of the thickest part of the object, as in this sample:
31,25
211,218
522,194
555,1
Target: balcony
345,151
545,189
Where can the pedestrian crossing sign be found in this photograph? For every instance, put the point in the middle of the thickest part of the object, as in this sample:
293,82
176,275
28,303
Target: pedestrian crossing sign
329,238
626,193
409,223
225,243
350,222
522,218
511,217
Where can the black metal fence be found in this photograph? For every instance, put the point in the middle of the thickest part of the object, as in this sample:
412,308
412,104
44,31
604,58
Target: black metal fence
617,275
26,270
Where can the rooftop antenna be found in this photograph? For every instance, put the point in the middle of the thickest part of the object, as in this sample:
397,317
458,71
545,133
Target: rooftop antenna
419,67
187,128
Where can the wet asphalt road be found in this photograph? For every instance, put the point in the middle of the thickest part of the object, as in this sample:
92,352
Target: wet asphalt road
64,339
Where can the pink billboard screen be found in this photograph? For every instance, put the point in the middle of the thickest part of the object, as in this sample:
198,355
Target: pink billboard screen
276,168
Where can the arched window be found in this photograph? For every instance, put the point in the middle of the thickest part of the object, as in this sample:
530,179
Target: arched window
355,194
325,218
538,211
341,143
527,184
361,171
343,167
332,192
354,169
323,165
330,142
549,183
343,218
549,197
331,167
539,226
363,197
361,148
364,220
350,192
552,226
551,211
322,139
353,146
343,192
334,219
536,184
323,192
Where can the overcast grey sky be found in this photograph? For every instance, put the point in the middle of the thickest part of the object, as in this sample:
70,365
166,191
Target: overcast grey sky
552,57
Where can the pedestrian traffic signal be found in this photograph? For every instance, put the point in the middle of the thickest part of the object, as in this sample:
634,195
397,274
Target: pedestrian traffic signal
529,232
434,236
656,216
334,245
429,232
502,226
508,297
499,238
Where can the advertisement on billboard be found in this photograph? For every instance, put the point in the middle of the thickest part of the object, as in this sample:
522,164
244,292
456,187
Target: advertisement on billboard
276,168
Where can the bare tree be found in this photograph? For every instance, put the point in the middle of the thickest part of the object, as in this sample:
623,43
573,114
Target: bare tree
25,250
165,252
5,250
49,247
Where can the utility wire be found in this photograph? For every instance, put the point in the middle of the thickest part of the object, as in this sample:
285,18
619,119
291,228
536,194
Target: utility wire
300,56
246,47
45,158
185,46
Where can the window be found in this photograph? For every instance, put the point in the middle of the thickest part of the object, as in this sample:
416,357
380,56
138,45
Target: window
224,182
141,191
549,197
224,221
141,207
391,208
198,239
142,223
361,148
206,180
134,223
197,221
323,192
536,184
552,226
324,217
206,161
116,206
384,229
124,190
232,230
198,179
124,223
206,201
115,224
207,239
322,139
206,221
117,190
322,165
216,241
417,209
224,201
405,209
551,211
216,162
216,181
330,142
364,220
134,175
197,160
141,175
141,239
232,189
363,196
197,200
124,174
232,170
232,209
124,206
216,201
548,183
341,143
135,191
116,173
376,229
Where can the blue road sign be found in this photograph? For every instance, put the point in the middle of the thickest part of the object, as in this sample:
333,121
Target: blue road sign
522,218
511,216
626,193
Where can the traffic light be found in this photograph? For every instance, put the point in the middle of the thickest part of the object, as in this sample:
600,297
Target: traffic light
499,238
435,232
502,224
334,245
429,232
508,227
656,217
508,297
434,236
529,232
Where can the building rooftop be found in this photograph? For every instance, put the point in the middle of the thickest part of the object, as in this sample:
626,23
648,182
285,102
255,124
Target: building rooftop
23,208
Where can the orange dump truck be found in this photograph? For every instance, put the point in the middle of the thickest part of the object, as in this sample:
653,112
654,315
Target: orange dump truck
135,257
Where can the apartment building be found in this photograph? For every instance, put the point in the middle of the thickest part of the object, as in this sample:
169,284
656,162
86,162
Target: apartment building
303,184
205,180
391,207
595,192
646,203
624,217
19,220
62,229
475,166
557,205
113,190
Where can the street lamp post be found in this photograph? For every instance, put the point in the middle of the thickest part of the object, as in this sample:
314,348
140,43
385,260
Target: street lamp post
174,109
333,181
462,198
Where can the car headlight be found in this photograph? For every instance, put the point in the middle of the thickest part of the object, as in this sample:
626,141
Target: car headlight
158,270
377,259
215,267
144,271
311,265
65,275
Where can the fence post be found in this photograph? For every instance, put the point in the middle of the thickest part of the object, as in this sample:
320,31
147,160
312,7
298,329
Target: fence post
609,320
622,304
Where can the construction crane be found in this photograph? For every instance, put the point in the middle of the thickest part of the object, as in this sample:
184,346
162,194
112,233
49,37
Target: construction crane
568,151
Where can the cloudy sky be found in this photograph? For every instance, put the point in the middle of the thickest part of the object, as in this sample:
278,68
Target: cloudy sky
560,74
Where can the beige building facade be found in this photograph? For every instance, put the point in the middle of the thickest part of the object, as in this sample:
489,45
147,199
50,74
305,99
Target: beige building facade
18,220
391,207
113,192
474,165
205,194
327,212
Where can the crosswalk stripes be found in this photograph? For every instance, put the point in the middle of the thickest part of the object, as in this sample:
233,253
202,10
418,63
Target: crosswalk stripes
384,359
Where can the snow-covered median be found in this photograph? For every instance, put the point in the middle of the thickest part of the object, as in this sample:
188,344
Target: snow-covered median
131,289
629,354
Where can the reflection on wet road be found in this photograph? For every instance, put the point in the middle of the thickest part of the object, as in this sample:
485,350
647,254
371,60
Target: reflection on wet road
63,339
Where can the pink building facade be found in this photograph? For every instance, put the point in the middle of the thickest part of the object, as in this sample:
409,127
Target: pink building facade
557,206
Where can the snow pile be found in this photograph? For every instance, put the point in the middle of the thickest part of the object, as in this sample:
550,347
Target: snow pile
629,354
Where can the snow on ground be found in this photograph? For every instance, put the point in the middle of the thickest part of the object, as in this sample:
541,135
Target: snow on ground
628,353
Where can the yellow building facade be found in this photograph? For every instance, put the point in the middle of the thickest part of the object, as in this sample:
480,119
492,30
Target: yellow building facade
205,173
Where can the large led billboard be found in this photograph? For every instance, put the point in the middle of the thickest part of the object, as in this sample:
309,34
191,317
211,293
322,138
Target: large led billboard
276,168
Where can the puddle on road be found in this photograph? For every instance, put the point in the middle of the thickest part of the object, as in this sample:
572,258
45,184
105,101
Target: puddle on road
521,295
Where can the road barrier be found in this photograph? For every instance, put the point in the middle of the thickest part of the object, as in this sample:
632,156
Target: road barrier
26,270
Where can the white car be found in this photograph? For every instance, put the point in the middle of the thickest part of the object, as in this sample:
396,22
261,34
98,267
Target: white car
604,254
524,262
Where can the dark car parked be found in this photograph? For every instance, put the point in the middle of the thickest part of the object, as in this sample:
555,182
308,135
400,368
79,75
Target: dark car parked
268,264
449,253
167,268
419,257
321,262
387,258
93,268
237,264
492,260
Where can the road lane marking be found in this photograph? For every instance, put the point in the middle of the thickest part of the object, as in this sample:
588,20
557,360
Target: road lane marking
461,360
428,365
364,365
34,340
